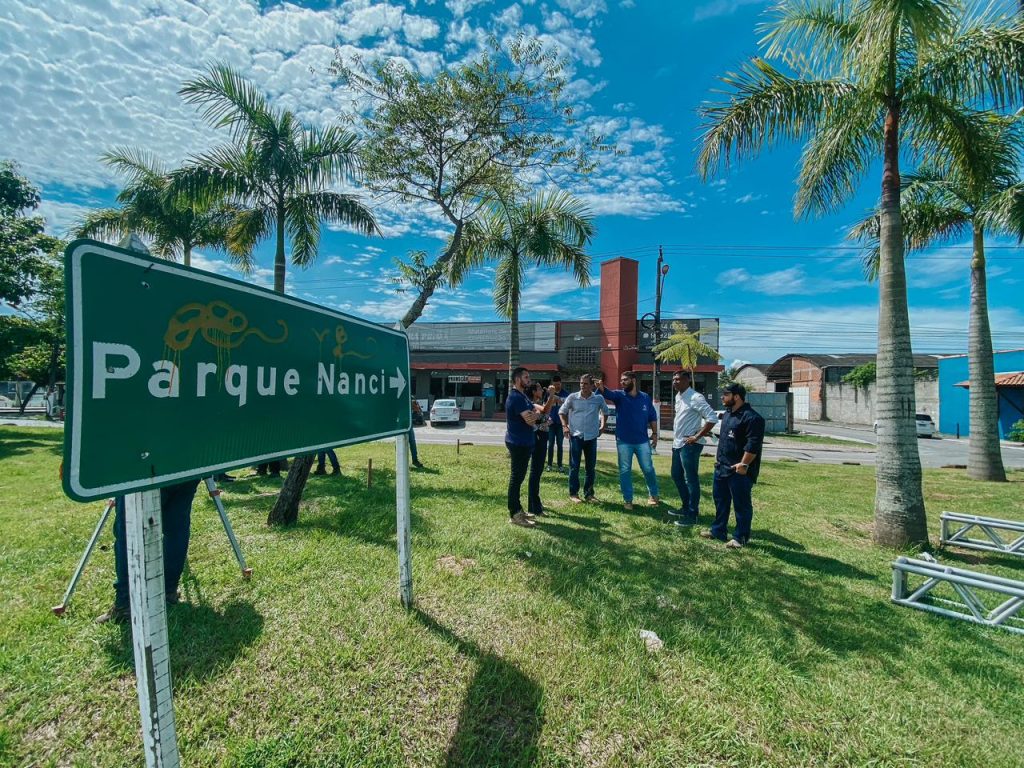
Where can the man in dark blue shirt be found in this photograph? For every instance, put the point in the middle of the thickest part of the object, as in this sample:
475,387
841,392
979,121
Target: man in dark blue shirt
520,416
634,415
736,467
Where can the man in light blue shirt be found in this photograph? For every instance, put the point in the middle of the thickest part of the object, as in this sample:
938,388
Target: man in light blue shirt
634,415
583,415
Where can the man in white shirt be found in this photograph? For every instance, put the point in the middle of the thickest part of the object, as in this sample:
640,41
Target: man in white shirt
694,419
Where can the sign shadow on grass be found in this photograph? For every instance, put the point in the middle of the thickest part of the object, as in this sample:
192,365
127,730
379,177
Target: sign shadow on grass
204,641
502,713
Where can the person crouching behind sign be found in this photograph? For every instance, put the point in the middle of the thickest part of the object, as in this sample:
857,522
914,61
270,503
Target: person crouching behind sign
176,509
543,401
520,441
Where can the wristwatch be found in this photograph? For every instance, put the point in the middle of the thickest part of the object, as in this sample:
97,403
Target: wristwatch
745,466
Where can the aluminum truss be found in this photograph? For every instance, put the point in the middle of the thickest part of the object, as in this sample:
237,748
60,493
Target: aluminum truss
956,527
970,586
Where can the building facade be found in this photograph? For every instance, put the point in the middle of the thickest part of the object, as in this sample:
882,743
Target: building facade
954,392
469,361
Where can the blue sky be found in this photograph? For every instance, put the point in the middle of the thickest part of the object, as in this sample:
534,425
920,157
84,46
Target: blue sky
77,78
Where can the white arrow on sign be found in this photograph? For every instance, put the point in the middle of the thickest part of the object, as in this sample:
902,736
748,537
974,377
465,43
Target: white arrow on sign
398,382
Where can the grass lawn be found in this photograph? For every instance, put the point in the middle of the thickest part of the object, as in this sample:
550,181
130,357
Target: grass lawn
523,649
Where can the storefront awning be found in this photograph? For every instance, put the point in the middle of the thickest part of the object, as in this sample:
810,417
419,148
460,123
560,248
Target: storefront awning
472,367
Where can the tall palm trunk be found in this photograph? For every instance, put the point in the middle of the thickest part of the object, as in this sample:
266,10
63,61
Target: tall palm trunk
186,254
286,509
984,460
899,503
513,338
279,257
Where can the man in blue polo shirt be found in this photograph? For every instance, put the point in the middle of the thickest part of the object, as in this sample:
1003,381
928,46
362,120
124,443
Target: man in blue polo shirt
736,467
634,415
520,416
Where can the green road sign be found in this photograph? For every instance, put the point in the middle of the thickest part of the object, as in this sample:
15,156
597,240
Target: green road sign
177,373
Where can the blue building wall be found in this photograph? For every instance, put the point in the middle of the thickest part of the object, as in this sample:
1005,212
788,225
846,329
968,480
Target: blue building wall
954,401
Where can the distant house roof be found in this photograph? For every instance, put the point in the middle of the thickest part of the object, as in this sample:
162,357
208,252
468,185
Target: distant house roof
782,369
1003,381
762,367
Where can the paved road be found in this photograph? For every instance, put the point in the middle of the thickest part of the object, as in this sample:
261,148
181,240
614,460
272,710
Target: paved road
935,452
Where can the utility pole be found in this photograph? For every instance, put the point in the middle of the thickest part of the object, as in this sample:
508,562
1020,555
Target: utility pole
659,285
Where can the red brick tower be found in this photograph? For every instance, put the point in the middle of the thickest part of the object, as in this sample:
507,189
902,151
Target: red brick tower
618,317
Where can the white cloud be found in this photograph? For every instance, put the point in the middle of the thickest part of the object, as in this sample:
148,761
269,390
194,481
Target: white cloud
722,8
61,217
792,281
749,198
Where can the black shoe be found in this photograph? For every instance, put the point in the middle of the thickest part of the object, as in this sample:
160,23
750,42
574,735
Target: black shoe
677,512
276,474
173,598
336,471
223,477
319,471
417,464
686,522
118,614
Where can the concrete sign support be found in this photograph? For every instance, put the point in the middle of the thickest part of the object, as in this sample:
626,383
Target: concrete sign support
144,533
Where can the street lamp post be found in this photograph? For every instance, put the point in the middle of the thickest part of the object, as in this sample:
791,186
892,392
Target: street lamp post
659,285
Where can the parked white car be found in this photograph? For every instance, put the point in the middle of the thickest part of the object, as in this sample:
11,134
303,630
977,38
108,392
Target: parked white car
445,411
609,421
925,425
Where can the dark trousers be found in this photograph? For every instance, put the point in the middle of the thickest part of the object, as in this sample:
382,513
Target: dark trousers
274,467
588,450
536,470
520,456
686,475
734,489
555,436
321,459
176,509
412,446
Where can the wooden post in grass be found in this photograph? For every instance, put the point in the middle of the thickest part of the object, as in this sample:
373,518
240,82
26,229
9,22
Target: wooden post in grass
369,473
404,524
144,534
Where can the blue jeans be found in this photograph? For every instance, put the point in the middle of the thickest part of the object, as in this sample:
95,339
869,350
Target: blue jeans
686,474
733,488
323,456
555,437
412,446
642,451
533,501
588,450
176,513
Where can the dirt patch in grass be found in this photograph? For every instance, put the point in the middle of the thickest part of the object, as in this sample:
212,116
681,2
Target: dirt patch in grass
455,565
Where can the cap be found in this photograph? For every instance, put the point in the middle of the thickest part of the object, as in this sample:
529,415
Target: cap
735,389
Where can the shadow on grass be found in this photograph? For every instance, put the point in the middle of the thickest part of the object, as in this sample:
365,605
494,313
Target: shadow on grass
203,641
20,446
502,713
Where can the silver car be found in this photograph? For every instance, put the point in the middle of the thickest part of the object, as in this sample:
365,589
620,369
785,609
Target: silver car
445,411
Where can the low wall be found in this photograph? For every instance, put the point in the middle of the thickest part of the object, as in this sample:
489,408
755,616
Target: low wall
856,405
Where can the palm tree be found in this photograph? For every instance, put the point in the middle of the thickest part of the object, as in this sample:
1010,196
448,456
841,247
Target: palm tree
685,347
279,173
869,79
976,192
549,230
276,170
149,206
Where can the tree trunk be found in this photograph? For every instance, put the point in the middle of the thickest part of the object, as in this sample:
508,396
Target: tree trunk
984,460
430,285
279,257
186,255
286,509
513,340
899,502
24,402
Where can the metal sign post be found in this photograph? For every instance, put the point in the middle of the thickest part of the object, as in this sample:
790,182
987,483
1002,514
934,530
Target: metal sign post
404,522
144,534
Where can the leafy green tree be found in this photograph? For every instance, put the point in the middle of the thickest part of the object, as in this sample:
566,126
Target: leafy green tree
685,348
1017,431
279,174
23,243
974,192
150,206
862,375
551,229
277,171
463,139
863,81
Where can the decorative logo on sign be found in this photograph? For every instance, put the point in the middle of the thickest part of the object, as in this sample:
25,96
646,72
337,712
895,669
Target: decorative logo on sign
219,323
